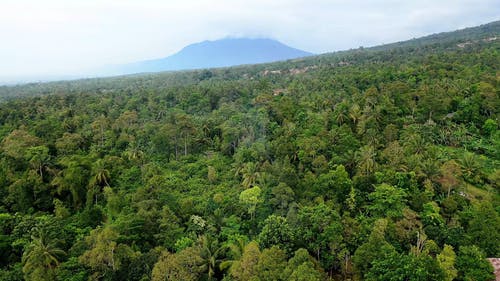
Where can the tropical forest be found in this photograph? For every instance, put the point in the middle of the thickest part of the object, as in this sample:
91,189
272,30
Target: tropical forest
377,163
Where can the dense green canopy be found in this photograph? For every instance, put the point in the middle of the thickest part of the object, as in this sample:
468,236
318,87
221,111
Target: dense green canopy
369,164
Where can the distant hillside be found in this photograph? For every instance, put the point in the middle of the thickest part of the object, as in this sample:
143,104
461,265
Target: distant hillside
481,32
463,40
219,53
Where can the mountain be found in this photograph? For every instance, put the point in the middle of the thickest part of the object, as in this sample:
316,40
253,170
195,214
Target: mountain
218,53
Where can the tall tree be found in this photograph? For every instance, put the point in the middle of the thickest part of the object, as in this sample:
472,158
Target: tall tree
320,231
185,265
246,268
211,254
472,265
277,232
251,198
446,260
366,160
41,257
105,255
271,264
387,200
374,249
302,267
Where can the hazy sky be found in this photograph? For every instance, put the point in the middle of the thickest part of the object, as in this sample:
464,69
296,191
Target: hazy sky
68,36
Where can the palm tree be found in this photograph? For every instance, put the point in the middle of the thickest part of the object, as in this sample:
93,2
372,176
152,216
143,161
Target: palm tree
355,113
366,159
250,174
42,256
236,248
39,158
63,185
341,116
73,178
99,126
134,153
101,174
470,164
185,128
210,252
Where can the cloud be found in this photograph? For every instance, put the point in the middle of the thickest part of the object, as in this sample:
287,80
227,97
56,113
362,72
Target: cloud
61,37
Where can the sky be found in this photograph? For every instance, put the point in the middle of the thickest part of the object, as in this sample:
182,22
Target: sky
69,37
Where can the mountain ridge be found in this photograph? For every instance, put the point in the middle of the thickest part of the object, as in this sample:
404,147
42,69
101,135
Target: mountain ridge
447,39
217,53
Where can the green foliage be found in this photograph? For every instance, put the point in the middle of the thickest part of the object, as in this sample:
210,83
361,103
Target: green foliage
271,264
71,270
303,267
484,229
282,197
305,272
490,127
446,260
387,201
250,198
276,232
245,269
183,243
211,254
41,258
104,255
431,214
472,265
336,184
373,250
19,143
185,265
405,267
368,164
319,230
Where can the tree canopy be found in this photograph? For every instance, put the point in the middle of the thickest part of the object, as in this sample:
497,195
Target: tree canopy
369,164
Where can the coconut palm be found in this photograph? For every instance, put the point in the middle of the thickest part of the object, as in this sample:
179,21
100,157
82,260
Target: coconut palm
236,249
210,252
250,174
355,113
101,174
470,164
366,159
41,257
73,178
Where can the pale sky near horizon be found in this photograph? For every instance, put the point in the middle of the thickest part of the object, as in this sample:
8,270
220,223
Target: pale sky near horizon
64,37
